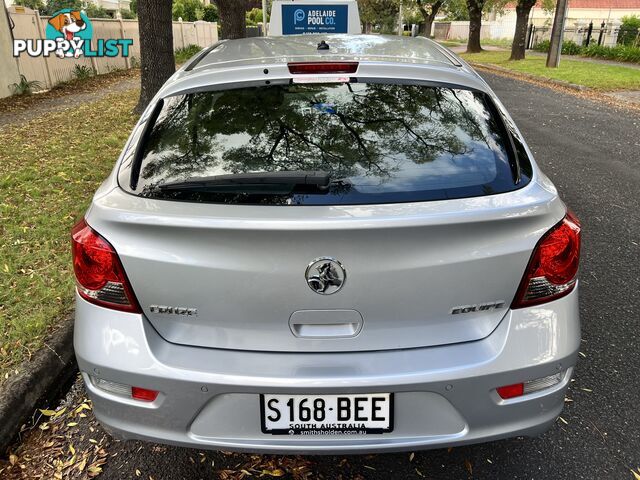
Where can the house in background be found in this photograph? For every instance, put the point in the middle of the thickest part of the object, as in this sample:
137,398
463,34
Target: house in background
501,24
111,6
579,12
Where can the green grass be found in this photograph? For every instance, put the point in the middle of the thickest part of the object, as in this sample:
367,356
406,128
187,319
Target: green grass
498,42
185,53
450,43
589,74
48,173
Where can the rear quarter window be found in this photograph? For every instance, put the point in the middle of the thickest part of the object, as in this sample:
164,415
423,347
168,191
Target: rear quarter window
380,143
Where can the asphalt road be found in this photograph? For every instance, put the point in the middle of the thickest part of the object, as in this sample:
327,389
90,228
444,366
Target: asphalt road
592,153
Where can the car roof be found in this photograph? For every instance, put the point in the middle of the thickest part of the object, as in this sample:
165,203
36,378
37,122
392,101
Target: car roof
300,48
245,59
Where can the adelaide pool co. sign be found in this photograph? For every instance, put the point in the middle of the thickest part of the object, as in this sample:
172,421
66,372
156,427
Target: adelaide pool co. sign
300,19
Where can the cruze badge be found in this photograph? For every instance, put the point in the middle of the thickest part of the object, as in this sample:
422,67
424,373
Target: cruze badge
325,276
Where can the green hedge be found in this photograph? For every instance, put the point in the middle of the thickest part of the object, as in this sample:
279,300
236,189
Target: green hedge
185,53
620,53
568,48
628,34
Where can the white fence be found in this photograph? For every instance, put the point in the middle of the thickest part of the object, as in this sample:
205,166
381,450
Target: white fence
505,30
50,71
605,34
460,30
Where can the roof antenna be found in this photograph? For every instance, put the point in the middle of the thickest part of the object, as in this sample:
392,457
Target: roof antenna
323,45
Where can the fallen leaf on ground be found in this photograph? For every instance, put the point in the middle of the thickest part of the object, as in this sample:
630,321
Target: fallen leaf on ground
82,464
95,470
467,464
274,473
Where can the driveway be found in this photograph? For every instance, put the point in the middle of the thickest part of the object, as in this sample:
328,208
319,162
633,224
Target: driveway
592,153
15,110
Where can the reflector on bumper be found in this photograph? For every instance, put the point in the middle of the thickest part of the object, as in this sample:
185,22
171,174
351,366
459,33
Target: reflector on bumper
530,386
123,390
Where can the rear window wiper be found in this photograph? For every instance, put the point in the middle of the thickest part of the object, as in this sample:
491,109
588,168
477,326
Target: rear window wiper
252,181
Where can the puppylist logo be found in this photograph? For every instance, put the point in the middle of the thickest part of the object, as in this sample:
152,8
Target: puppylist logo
69,33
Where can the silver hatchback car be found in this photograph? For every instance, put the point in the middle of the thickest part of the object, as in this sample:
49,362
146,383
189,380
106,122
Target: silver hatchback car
326,246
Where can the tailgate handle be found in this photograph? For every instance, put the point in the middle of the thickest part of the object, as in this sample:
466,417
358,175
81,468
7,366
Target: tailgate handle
325,323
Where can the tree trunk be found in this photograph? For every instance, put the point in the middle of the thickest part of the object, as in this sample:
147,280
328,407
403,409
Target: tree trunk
555,47
428,16
156,48
425,29
519,39
475,24
232,18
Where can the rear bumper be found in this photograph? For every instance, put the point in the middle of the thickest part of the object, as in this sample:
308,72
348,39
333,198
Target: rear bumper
444,396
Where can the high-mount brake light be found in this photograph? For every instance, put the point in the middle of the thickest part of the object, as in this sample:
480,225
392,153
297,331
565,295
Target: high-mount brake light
552,271
317,68
100,277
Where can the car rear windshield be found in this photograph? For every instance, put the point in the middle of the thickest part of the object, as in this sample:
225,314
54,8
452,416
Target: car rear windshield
376,142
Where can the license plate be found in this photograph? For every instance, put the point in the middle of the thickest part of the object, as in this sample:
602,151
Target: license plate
370,413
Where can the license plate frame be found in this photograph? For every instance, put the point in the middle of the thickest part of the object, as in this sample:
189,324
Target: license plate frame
327,432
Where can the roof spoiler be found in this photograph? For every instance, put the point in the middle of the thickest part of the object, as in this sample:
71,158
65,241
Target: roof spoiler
203,54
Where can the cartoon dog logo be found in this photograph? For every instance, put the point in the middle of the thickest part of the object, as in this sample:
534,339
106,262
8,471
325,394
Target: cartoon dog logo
69,24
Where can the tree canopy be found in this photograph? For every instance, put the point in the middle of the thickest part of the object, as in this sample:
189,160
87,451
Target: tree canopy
32,4
54,5
94,11
188,10
254,16
210,13
380,14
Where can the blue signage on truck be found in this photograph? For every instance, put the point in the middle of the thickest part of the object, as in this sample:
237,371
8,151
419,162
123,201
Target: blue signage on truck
298,19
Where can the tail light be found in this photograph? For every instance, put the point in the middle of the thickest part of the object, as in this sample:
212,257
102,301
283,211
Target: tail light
100,277
315,68
553,269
